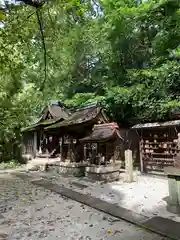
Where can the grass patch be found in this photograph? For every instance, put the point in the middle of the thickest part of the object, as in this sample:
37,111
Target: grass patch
9,165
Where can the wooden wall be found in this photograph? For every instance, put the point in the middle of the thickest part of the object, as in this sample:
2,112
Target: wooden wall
28,143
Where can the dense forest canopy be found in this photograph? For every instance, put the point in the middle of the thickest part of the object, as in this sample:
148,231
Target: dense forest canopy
122,53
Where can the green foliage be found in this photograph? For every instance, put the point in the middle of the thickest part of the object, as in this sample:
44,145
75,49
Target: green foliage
124,54
9,165
81,99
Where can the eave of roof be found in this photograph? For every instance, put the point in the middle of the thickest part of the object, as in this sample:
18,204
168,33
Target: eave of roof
157,124
103,133
57,111
39,124
80,116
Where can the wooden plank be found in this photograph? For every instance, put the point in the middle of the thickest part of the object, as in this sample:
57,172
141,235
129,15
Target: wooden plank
156,143
157,148
158,159
163,154
164,159
158,166
160,162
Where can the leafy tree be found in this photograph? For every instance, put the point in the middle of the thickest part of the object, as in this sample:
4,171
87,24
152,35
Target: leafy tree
124,54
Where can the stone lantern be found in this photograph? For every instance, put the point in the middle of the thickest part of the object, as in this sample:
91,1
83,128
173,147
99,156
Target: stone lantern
173,174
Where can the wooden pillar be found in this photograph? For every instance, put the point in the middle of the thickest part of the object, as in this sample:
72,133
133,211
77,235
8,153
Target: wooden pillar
61,142
114,155
47,139
140,156
40,140
116,151
95,153
35,144
177,158
85,153
105,157
69,150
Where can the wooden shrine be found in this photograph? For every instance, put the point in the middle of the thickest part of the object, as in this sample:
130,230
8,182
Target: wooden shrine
37,142
102,152
158,145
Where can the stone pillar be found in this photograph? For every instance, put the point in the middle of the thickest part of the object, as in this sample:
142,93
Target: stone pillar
178,189
173,203
129,166
173,173
173,195
35,144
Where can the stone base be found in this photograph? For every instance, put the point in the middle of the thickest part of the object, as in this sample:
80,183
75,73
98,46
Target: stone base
72,169
27,157
173,208
54,168
103,173
173,202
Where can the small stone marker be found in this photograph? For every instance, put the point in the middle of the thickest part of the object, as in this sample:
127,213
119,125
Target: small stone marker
129,166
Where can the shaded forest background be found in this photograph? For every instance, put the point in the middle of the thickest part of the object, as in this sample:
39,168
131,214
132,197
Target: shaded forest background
122,53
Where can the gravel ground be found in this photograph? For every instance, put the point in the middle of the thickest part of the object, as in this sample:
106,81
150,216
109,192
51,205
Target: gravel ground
31,213
146,196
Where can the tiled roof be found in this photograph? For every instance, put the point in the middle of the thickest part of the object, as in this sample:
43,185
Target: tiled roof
57,111
79,116
103,132
157,124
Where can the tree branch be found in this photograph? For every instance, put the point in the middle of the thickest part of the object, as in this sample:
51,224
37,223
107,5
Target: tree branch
44,47
33,3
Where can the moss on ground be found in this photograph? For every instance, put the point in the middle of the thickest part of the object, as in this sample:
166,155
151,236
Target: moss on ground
9,165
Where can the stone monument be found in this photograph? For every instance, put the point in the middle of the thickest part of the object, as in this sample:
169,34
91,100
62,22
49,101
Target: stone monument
173,174
129,176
